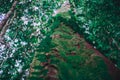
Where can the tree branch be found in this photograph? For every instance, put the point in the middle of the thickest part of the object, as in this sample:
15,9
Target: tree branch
9,13
8,23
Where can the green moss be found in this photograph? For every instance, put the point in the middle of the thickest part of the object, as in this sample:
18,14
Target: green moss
73,60
65,15
35,78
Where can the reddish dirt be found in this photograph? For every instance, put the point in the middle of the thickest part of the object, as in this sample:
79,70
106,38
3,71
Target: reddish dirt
113,70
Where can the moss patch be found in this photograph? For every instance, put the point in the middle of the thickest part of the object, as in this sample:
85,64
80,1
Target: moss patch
67,58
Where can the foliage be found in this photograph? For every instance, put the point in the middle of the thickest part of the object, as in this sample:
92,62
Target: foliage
24,35
28,39
99,22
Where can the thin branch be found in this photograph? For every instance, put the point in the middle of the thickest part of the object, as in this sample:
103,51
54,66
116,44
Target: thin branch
113,40
9,22
7,16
